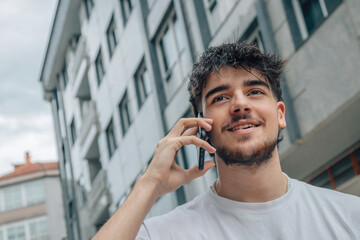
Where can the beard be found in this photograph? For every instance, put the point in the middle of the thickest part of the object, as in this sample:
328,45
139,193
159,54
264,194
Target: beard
240,157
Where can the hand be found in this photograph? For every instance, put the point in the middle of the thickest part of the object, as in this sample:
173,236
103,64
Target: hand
163,170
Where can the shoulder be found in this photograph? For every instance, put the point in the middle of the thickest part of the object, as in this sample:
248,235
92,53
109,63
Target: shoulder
324,197
324,192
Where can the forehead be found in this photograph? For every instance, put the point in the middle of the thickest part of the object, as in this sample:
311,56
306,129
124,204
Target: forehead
230,75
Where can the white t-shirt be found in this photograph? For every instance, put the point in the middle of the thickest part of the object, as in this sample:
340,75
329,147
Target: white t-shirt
304,212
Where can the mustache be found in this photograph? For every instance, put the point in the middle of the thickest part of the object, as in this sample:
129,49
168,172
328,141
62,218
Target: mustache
235,119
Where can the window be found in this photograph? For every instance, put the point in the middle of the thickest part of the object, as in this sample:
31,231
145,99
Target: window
100,72
73,132
252,35
126,8
171,47
256,39
89,5
342,171
111,140
39,230
142,84
12,197
34,192
304,16
211,4
64,76
125,115
339,172
111,36
16,233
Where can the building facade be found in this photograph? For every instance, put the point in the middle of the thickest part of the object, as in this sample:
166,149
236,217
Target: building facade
31,206
116,74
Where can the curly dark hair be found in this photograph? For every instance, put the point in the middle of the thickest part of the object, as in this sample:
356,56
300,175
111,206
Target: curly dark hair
237,55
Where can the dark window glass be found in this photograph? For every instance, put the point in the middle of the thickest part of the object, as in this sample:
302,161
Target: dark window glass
73,132
212,4
142,83
332,4
323,180
163,54
343,171
110,137
64,75
357,156
125,116
312,13
111,36
126,8
89,5
100,72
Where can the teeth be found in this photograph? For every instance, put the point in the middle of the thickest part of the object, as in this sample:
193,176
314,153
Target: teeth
243,127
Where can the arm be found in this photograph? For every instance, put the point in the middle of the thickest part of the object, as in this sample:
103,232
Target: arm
162,176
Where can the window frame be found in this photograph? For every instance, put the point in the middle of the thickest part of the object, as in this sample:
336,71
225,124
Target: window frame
125,113
349,161
111,138
142,92
99,67
6,202
111,36
73,135
64,75
127,7
169,25
89,5
296,19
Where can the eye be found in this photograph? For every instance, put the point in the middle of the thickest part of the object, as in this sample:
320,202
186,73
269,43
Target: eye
218,98
256,92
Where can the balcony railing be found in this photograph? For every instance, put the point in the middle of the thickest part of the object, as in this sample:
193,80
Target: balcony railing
89,119
80,54
98,190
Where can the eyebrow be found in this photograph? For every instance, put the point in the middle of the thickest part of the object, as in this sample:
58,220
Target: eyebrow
249,83
215,90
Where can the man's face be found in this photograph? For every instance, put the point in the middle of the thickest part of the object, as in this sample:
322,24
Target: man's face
246,115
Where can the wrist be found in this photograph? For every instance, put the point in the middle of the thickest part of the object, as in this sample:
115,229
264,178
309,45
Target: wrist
148,185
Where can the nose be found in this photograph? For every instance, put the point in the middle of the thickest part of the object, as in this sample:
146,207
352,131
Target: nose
240,104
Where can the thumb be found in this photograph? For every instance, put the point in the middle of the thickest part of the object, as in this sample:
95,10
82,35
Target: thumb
195,172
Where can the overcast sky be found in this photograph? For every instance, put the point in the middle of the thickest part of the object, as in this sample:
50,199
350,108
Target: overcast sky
25,118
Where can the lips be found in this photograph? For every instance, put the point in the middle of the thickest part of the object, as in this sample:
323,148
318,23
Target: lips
243,124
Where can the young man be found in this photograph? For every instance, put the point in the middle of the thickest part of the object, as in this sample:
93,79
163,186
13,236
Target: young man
237,88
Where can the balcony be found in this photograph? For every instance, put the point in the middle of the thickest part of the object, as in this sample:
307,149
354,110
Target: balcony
99,197
80,65
89,120
80,55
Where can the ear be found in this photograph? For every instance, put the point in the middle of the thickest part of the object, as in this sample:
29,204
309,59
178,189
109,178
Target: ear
281,115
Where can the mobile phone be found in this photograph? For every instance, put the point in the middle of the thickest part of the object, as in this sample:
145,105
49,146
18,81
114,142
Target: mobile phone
202,135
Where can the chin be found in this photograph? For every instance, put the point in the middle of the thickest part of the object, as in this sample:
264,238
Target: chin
248,154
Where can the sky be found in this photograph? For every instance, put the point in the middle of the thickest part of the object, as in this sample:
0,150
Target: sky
26,122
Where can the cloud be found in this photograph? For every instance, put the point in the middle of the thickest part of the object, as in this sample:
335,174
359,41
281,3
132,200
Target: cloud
34,134
25,118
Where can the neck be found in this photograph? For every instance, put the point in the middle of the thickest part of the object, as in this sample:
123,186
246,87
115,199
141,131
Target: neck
258,183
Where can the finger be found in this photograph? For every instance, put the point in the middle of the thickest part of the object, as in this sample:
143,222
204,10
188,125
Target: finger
191,131
195,172
185,123
188,140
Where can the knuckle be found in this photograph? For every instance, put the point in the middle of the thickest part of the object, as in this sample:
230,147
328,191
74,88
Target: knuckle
181,121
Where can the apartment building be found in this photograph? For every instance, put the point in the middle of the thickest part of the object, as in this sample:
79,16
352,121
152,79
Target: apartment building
116,73
31,206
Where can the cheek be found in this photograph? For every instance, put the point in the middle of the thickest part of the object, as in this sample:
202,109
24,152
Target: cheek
217,118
